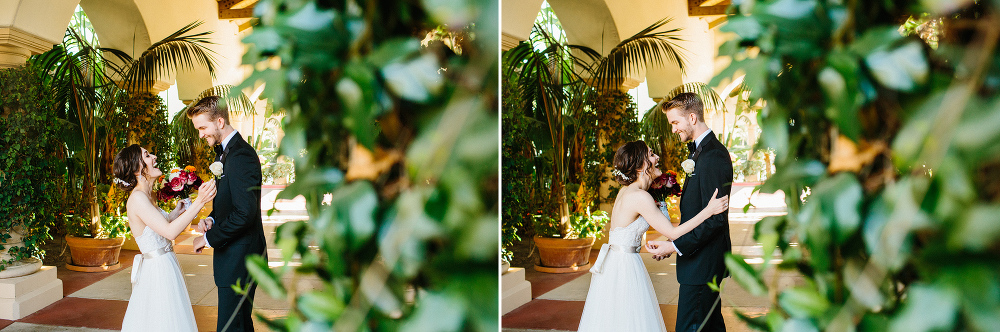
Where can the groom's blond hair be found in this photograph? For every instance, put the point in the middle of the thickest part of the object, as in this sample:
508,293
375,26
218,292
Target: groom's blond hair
209,105
686,103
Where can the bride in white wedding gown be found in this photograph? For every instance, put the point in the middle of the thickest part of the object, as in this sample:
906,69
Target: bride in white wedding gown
159,300
621,297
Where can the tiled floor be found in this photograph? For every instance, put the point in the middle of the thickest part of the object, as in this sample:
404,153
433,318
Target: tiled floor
97,301
558,299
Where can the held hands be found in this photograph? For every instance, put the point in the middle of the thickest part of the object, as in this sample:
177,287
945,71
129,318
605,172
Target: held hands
203,226
660,249
206,193
718,204
200,243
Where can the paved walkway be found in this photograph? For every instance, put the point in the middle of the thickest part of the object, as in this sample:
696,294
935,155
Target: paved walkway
558,299
97,301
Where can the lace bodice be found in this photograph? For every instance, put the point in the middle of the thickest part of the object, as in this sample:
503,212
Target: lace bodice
150,241
629,236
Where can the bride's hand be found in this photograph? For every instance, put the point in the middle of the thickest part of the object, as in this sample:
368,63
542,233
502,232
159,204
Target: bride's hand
206,192
718,204
182,205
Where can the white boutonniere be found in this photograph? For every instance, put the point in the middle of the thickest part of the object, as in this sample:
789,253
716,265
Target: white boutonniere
216,168
688,166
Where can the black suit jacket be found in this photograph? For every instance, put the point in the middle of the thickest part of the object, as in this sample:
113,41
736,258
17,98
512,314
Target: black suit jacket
704,248
238,230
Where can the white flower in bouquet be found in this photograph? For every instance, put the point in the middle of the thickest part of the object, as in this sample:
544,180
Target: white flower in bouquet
174,172
688,166
216,168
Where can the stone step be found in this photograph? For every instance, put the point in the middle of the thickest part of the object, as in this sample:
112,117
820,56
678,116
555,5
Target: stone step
44,290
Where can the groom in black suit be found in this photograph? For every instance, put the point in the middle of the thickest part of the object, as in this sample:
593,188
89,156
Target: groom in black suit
234,228
702,252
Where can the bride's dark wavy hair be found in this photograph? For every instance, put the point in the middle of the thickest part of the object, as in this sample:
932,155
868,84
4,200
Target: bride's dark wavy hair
128,161
629,159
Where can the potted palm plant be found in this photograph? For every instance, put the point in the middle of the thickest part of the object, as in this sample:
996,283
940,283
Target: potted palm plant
90,92
95,247
562,84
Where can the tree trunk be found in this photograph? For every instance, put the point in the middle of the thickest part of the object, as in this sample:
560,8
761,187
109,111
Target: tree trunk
90,205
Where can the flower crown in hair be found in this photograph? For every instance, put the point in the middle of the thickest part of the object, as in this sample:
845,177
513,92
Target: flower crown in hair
122,182
619,173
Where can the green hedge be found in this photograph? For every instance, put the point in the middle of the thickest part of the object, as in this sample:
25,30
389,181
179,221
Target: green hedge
31,162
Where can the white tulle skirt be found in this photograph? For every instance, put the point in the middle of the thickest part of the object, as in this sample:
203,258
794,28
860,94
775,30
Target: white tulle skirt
159,300
621,297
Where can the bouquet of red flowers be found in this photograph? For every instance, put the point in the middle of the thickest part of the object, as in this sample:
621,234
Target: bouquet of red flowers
179,183
665,186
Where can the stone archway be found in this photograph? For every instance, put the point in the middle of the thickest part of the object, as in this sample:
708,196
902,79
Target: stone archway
586,22
30,27
600,24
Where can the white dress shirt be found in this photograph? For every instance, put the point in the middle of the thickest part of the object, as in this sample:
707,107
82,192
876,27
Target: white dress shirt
225,142
698,140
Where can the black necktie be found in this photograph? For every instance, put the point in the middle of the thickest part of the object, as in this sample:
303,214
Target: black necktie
218,152
691,147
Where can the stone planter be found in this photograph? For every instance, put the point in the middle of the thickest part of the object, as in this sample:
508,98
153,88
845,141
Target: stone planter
22,267
94,255
563,256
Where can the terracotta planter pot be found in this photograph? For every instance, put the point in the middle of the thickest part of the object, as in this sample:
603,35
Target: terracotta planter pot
91,255
561,255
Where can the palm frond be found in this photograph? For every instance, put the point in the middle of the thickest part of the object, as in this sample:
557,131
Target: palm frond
714,104
645,48
236,100
184,134
657,132
270,111
175,52
121,66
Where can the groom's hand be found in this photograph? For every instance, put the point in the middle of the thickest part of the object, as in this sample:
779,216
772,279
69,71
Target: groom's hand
204,225
660,249
199,244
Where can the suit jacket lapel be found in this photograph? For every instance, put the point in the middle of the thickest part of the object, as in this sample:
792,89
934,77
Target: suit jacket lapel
232,142
709,140
697,152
